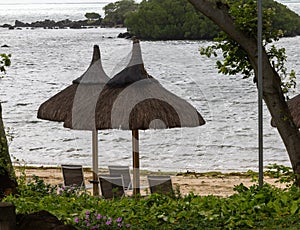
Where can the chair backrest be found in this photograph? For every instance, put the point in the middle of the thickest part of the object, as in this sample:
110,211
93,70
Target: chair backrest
73,175
124,171
160,184
112,186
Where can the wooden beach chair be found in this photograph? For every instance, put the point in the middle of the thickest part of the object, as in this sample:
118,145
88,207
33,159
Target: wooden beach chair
160,185
111,186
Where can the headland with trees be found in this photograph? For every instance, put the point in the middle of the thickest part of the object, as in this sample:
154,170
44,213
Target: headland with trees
164,20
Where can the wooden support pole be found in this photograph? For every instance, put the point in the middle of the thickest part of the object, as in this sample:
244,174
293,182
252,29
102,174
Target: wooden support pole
136,162
7,216
95,163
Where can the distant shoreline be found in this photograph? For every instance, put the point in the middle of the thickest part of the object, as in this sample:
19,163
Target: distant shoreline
64,24
51,24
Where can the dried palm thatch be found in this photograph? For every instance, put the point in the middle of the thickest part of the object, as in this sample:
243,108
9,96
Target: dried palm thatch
57,107
294,107
77,101
133,100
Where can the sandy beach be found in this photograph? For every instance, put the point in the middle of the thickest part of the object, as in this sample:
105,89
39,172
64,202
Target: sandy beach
200,184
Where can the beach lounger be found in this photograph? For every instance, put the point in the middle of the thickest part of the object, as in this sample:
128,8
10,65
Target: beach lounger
111,186
160,184
124,171
73,175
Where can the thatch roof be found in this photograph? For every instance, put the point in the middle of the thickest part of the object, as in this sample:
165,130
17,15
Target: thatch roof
57,107
294,107
133,99
78,99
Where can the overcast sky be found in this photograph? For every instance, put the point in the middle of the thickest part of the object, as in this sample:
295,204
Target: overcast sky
83,1
88,1
53,1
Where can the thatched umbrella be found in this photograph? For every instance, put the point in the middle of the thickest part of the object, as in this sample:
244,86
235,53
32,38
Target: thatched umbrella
294,107
134,100
77,103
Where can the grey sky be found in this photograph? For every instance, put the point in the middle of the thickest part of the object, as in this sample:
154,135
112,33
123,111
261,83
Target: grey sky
83,1
92,1
53,1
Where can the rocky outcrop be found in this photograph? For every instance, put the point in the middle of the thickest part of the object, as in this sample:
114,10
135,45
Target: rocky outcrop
67,23
20,24
51,24
126,35
6,25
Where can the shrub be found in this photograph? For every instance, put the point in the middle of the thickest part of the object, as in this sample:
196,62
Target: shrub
266,207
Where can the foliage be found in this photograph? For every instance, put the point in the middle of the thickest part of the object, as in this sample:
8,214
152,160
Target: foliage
257,207
115,13
4,156
5,162
288,21
283,173
4,61
35,186
169,19
177,19
235,59
93,19
93,16
94,220
7,175
9,134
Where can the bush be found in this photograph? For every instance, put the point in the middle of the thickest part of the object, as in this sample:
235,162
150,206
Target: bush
92,16
250,207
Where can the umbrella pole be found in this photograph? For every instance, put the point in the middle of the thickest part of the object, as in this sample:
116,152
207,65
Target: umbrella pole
95,163
136,163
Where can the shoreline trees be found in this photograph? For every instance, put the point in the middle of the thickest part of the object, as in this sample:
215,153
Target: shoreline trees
178,20
164,20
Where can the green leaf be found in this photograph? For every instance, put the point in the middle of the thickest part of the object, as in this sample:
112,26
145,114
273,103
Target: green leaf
294,207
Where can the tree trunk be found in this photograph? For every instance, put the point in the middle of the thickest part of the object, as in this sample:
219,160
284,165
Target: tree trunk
272,93
8,182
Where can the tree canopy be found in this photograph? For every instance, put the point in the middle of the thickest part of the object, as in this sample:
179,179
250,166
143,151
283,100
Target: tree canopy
93,16
235,59
283,18
177,19
169,19
115,13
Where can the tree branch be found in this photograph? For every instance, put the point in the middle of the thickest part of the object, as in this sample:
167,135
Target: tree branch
218,13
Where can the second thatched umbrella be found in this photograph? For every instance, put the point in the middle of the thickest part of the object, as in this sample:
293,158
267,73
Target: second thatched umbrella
134,100
294,107
77,104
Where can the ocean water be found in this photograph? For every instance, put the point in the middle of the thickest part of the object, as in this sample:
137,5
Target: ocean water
46,61
41,11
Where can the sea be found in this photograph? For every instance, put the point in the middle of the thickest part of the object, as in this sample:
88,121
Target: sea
45,61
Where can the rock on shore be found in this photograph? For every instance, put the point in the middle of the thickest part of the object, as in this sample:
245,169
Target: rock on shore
51,24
